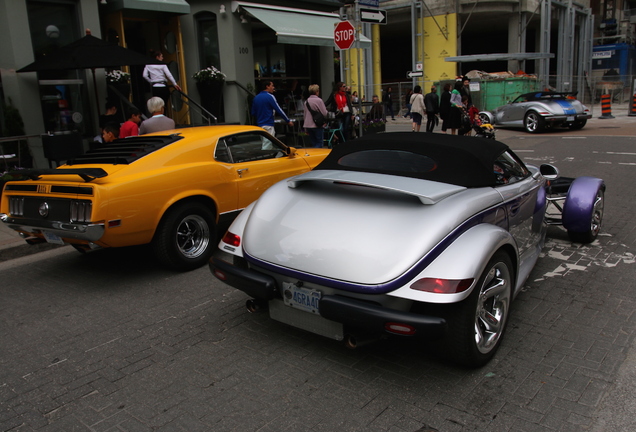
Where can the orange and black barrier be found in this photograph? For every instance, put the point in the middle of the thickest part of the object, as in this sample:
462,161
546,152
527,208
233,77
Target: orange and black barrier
606,107
632,106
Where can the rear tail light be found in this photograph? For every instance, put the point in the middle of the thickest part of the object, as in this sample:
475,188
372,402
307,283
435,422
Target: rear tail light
442,286
81,210
231,239
16,206
399,328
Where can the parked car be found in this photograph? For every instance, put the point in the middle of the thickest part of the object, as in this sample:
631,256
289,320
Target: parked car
169,189
417,235
539,110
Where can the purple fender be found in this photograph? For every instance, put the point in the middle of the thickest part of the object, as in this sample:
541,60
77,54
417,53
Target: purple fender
579,203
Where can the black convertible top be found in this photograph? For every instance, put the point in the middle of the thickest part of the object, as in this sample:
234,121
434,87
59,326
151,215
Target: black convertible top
459,160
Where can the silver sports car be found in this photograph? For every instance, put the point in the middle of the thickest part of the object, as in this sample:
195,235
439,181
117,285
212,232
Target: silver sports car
416,235
539,110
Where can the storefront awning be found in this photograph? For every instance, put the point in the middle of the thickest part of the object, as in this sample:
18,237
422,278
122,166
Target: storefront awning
297,26
170,6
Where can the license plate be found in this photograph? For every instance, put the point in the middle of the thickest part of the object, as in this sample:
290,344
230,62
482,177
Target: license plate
52,238
570,118
305,299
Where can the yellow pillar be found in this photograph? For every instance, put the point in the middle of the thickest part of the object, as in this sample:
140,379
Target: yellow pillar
437,45
377,61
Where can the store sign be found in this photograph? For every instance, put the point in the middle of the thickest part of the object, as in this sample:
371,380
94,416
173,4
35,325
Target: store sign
602,54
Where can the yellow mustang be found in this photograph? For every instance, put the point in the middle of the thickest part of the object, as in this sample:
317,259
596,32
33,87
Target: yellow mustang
170,189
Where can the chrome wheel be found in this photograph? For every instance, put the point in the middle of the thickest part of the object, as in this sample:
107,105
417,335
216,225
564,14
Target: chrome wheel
533,122
193,236
597,213
184,238
492,307
476,325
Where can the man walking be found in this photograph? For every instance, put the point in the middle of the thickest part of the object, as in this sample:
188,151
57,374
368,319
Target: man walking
264,106
431,102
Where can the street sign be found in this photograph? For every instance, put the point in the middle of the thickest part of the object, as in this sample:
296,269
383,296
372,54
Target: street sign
374,16
413,74
374,3
344,34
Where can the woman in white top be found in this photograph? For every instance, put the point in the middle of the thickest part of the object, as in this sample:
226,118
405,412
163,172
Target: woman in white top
158,75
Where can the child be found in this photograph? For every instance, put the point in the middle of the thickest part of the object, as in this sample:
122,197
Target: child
131,126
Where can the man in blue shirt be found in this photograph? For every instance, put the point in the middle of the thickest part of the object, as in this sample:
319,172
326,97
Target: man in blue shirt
264,106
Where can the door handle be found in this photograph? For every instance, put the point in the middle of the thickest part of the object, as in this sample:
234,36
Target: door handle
240,172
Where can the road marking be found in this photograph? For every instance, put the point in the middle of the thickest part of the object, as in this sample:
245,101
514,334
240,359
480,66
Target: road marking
627,163
574,137
578,257
616,153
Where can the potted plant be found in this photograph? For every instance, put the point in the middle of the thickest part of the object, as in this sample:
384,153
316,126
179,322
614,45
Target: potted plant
120,80
210,86
372,126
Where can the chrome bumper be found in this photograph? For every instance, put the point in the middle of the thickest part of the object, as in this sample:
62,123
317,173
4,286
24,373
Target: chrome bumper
79,231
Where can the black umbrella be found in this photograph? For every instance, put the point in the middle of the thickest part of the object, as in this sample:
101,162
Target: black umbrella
89,52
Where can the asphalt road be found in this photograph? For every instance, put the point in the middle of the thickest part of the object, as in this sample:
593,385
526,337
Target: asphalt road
110,341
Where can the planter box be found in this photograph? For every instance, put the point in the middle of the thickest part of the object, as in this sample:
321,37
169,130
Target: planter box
371,129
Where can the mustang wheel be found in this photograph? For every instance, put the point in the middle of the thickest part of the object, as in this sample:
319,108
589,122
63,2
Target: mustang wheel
476,325
184,238
595,224
533,122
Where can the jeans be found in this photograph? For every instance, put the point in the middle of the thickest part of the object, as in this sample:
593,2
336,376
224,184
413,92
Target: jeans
316,136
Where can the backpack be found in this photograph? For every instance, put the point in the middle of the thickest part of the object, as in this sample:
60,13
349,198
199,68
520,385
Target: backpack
317,116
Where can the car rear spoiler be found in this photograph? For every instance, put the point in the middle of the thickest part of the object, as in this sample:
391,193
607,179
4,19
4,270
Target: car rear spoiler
428,192
87,174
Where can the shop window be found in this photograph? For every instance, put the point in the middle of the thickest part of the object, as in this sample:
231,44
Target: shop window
52,25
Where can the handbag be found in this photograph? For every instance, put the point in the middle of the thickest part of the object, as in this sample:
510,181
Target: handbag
317,116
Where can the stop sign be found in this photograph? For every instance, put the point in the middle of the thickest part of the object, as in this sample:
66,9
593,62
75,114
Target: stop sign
344,34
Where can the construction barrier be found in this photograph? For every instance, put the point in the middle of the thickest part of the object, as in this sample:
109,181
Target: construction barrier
606,107
632,107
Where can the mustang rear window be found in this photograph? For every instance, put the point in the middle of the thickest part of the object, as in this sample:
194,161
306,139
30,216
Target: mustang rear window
125,151
389,160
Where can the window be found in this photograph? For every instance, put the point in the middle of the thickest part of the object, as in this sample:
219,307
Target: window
208,38
509,169
247,147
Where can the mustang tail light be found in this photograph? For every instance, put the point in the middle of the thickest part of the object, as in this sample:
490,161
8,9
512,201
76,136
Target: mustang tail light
81,210
231,239
442,286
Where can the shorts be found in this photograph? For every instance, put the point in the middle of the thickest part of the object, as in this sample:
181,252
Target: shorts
417,118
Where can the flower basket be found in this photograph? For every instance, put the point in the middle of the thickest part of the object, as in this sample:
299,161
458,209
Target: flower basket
373,126
210,86
120,80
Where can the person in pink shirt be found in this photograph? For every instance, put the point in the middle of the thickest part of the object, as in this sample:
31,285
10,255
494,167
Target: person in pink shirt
131,126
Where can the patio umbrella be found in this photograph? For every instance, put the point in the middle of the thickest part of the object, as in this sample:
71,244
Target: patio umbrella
91,53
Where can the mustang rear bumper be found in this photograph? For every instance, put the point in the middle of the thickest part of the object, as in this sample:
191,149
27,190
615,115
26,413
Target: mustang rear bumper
79,231
351,312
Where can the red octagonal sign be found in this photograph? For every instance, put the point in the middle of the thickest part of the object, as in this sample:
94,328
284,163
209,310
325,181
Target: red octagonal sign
344,34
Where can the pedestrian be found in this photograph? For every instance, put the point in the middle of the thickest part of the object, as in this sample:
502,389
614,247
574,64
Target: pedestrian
131,126
110,133
339,102
158,122
158,76
431,102
265,105
444,106
316,133
456,109
465,90
387,99
376,112
417,108
407,100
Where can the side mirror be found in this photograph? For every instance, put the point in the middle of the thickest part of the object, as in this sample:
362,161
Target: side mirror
550,172
291,151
